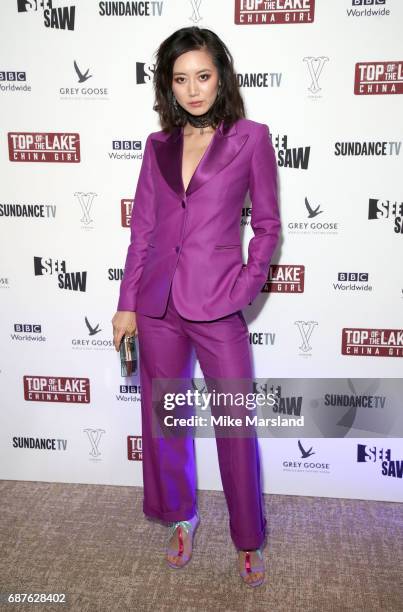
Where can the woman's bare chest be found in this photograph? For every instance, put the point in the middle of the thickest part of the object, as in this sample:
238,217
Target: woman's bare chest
194,149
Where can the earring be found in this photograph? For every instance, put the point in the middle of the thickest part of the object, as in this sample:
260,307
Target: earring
174,100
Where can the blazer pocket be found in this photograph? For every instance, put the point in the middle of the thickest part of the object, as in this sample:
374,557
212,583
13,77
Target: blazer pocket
227,246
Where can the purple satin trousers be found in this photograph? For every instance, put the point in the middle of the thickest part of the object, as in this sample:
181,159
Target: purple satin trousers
169,477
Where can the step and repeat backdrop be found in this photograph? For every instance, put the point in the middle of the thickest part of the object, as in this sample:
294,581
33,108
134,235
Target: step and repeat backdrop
326,331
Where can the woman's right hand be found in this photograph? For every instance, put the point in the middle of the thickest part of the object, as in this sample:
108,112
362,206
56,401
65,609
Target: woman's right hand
124,323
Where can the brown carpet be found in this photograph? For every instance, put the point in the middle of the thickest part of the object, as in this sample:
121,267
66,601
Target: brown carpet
94,543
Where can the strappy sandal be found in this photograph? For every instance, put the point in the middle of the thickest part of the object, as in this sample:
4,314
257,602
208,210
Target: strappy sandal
189,527
249,568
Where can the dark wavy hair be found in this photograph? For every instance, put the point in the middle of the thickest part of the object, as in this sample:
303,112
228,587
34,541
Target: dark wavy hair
228,105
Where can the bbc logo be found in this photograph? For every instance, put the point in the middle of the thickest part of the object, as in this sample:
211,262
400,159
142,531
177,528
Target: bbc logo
367,2
13,76
357,277
28,328
126,145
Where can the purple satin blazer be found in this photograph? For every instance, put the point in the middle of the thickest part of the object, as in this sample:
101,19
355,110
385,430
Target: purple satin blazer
196,234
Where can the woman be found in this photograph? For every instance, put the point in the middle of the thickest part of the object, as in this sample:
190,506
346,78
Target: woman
184,283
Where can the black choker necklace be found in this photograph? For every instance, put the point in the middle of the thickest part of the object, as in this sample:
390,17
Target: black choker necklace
199,121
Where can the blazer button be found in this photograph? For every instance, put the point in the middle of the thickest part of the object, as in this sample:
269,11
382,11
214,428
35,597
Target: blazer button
177,249
183,204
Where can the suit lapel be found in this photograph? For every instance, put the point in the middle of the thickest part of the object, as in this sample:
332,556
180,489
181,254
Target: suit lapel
222,149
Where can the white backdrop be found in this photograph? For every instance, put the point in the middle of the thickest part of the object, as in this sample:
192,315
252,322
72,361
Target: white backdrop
309,80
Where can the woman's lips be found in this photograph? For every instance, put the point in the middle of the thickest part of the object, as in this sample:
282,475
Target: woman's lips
195,103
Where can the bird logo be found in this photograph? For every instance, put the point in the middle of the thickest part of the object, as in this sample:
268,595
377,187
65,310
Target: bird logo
81,77
305,453
311,211
92,330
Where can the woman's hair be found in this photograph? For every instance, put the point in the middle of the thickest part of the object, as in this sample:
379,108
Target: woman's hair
228,105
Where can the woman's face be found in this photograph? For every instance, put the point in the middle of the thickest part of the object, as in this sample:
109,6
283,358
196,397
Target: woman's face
195,79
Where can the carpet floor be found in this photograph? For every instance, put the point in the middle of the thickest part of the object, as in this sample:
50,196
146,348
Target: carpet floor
94,543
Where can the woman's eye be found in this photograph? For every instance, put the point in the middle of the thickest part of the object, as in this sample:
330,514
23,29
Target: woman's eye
180,79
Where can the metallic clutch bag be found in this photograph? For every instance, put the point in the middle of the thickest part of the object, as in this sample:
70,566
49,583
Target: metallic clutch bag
128,355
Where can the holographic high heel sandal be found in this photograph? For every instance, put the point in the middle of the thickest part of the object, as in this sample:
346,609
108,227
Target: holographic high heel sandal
249,568
189,527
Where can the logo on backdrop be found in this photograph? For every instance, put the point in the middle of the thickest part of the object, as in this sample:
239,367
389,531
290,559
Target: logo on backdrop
372,342
304,463
44,211
381,456
195,16
387,209
262,338
144,73
355,401
92,330
94,438
135,448
291,157
130,9
9,75
59,147
92,342
129,393
250,12
285,278
313,227
126,207
115,274
72,281
28,332
352,281
126,149
4,282
290,405
85,200
353,404
82,77
373,8
315,66
376,147
260,79
246,215
305,329
39,443
58,18
79,93
11,80
66,389
378,78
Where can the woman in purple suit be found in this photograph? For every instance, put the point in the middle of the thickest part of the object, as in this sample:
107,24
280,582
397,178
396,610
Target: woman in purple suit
185,284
